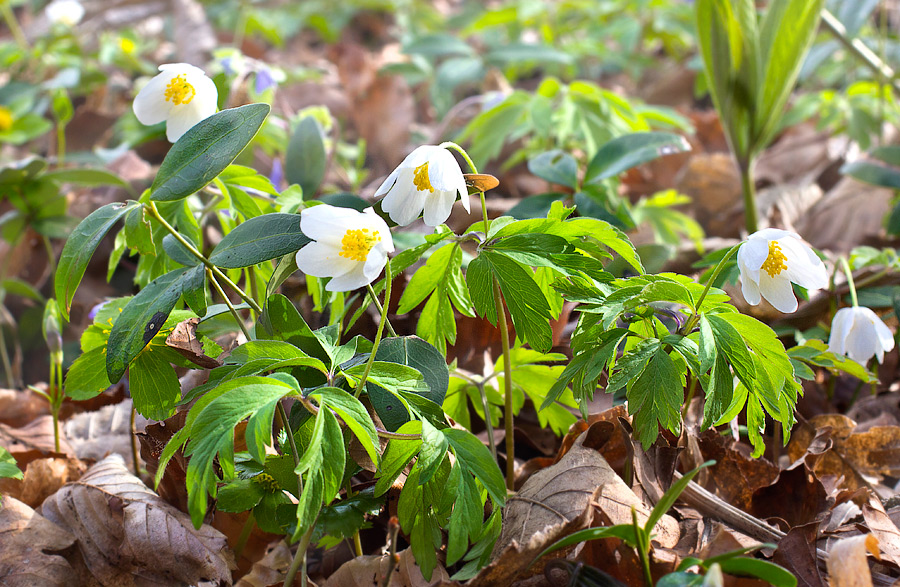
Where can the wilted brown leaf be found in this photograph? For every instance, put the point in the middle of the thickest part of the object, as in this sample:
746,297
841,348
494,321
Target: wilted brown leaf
368,571
796,497
93,435
847,564
43,477
26,539
33,441
18,408
736,475
884,529
269,570
183,339
797,553
125,531
153,441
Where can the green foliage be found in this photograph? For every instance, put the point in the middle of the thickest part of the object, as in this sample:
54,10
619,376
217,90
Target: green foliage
259,239
8,467
305,160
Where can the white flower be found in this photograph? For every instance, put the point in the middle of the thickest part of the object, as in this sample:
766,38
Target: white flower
770,260
428,180
65,12
859,333
350,247
181,95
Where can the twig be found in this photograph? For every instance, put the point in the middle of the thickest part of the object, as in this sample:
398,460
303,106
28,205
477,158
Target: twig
859,49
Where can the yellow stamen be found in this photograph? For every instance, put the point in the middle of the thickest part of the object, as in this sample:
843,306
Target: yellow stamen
776,262
6,119
179,91
421,180
267,482
356,244
127,45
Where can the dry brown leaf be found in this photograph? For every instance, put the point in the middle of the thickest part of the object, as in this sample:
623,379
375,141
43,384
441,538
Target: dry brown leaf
183,339
847,564
35,437
271,569
736,475
884,529
26,539
93,435
18,408
368,571
128,533
43,478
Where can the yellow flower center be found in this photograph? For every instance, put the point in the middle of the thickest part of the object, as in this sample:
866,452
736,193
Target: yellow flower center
421,180
356,244
179,91
267,482
6,119
775,263
128,46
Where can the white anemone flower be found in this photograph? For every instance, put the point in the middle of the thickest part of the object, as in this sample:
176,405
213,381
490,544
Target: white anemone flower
65,12
770,260
350,247
428,180
181,95
860,334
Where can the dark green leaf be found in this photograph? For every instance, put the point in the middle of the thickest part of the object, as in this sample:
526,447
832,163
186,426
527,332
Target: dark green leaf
79,248
154,385
623,153
306,160
205,150
259,239
555,166
87,177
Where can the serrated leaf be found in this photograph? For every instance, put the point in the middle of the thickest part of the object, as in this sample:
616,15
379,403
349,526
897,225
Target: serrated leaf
477,459
79,249
144,316
205,150
354,415
87,378
655,398
154,386
259,239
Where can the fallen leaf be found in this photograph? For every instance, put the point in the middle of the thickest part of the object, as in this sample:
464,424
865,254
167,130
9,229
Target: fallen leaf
796,497
43,478
270,569
125,531
153,439
796,552
183,339
26,541
18,408
368,571
94,435
884,529
735,475
847,564
33,441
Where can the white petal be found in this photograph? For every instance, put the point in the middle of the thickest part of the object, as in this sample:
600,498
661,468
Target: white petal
438,206
375,262
770,234
351,280
884,334
443,171
750,290
150,105
388,183
840,325
328,224
777,291
375,222
404,203
182,118
321,260
804,267
752,254
420,155
859,342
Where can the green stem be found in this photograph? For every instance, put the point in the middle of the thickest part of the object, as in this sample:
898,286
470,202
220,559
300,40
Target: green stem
4,356
60,144
374,297
846,267
10,17
504,342
245,536
507,388
299,559
234,313
695,316
54,412
134,447
748,189
200,257
387,301
286,425
858,48
488,424
643,549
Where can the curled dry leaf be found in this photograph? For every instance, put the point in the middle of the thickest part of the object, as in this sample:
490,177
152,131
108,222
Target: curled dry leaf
847,564
128,534
271,569
32,441
184,340
883,528
43,478
26,541
368,571
18,408
94,435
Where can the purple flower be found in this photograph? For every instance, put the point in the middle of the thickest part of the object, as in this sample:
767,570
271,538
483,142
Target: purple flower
264,80
277,174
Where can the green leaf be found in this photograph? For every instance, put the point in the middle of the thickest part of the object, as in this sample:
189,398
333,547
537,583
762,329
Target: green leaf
671,496
239,496
154,385
429,276
555,166
418,354
655,398
761,569
8,467
87,177
354,415
624,532
205,150
873,173
431,453
625,152
632,364
144,316
281,320
259,239
397,455
79,249
306,159
476,458
178,252
87,378
391,376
